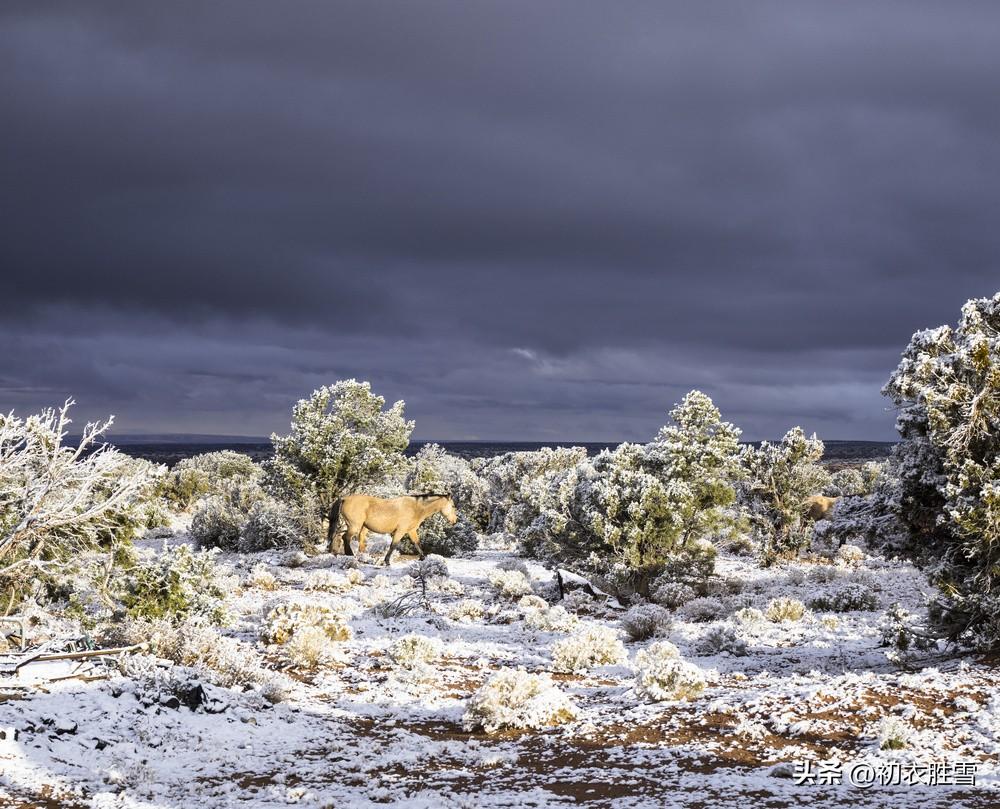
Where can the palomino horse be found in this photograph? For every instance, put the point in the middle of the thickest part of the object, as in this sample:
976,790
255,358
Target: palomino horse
397,516
819,507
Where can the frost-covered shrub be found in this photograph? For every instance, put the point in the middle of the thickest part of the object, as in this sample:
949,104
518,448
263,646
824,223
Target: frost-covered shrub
273,524
749,618
468,610
206,474
510,583
749,729
309,647
262,578
850,554
824,574
513,698
286,619
219,518
901,631
592,646
662,675
412,649
947,391
704,609
341,441
779,479
551,619
640,507
326,581
646,621
176,583
513,563
580,601
722,639
533,602
892,733
671,594
438,537
58,503
784,609
848,598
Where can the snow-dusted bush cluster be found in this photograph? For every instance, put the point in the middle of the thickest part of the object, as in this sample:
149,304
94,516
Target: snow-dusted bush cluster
193,478
510,583
721,639
780,477
176,583
784,609
262,578
707,608
513,698
846,598
662,675
646,621
893,733
594,645
285,620
550,619
468,610
749,618
671,594
328,581
410,650
629,511
947,391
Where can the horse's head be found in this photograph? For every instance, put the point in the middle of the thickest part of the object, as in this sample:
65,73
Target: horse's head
448,510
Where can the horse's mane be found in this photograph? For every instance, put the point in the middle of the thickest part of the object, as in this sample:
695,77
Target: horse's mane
423,495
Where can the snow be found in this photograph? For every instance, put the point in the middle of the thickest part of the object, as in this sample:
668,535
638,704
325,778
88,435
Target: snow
365,731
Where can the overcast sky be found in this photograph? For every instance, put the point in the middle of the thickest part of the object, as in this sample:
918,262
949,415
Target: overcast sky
538,221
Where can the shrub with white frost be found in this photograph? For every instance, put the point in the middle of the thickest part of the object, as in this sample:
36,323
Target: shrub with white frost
850,554
515,699
704,609
285,620
594,645
262,578
892,733
467,610
749,618
850,597
412,649
646,621
721,639
327,581
784,609
510,583
671,594
533,602
551,619
662,675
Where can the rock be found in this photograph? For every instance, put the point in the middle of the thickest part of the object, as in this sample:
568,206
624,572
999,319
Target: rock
783,770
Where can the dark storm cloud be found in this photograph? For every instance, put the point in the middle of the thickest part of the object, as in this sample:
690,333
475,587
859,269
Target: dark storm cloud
528,220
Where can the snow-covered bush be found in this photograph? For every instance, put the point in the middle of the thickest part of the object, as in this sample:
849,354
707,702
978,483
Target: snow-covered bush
671,594
779,479
594,645
513,563
723,639
892,733
274,524
309,648
203,475
646,621
947,391
468,610
707,608
285,620
749,618
510,583
341,441
551,619
219,518
533,602
784,609
513,698
850,597
262,578
662,675
58,502
176,583
850,554
412,649
901,631
326,581
630,511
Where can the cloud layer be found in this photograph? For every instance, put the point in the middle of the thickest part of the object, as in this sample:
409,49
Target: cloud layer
529,220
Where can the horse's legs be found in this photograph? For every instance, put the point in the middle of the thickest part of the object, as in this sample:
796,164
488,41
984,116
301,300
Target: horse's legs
397,537
362,540
416,542
349,533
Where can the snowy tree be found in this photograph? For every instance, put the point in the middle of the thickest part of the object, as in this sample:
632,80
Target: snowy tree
435,469
201,475
779,479
58,501
947,390
342,439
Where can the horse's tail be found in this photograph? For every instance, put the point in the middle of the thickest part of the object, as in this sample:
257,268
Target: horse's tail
331,527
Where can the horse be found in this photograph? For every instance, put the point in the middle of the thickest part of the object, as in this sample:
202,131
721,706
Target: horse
396,516
819,507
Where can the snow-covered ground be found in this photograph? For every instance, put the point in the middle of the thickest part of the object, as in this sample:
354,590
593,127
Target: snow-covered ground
365,731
